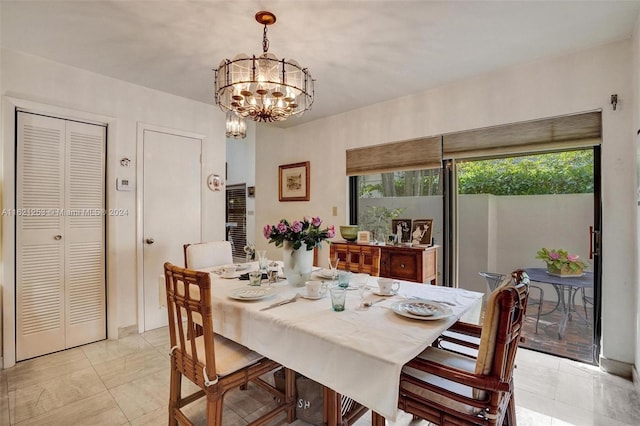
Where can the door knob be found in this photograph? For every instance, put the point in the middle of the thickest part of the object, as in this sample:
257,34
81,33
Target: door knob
149,241
57,237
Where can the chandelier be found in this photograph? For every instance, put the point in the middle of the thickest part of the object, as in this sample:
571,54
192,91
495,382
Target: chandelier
236,126
263,88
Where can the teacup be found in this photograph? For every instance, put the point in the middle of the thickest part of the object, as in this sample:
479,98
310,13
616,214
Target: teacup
315,288
228,271
388,286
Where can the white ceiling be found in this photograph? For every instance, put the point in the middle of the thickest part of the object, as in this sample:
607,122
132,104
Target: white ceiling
360,52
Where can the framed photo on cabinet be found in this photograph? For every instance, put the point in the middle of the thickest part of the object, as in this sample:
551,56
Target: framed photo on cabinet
421,231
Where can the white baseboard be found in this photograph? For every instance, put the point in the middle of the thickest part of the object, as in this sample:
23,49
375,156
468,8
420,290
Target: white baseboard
636,381
618,368
127,331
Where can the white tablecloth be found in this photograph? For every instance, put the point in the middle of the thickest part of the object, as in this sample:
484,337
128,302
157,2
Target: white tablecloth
358,353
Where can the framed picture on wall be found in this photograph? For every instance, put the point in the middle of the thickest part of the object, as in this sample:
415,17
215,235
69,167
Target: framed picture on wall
293,182
422,231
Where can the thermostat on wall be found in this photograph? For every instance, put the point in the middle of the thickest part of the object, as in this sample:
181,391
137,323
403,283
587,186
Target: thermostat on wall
124,184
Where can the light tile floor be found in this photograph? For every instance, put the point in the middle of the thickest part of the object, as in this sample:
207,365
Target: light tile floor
125,382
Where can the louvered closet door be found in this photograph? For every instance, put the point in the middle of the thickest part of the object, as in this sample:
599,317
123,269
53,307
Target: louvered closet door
59,235
39,255
84,234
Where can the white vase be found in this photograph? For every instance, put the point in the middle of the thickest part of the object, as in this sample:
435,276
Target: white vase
297,264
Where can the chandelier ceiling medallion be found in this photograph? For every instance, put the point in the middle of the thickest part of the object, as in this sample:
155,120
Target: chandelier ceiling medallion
263,88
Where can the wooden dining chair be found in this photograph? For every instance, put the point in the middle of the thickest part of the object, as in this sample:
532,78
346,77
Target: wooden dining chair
494,279
205,255
213,363
448,387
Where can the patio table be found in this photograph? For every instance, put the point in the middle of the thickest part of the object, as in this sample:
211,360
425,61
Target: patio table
563,285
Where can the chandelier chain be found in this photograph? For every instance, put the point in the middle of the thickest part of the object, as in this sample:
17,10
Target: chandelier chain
265,40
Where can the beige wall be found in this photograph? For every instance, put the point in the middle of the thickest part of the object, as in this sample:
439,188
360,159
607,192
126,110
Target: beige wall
635,105
124,106
572,83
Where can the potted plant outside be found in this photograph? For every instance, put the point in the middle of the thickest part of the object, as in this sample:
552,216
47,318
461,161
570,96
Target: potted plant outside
562,264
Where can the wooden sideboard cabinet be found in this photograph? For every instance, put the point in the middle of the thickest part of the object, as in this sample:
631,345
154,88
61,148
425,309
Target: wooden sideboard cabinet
417,264
363,258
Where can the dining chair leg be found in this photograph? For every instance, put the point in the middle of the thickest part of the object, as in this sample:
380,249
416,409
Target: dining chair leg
174,394
290,393
510,416
330,406
377,419
214,410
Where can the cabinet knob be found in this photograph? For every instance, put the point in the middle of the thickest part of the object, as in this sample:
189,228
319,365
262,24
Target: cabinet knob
402,265
57,237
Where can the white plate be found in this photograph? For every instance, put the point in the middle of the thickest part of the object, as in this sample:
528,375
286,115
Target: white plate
427,311
250,293
304,294
242,266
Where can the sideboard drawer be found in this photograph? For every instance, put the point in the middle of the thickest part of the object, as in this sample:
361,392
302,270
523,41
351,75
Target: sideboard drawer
404,266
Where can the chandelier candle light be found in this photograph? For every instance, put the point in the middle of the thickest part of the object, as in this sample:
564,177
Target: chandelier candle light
236,126
263,88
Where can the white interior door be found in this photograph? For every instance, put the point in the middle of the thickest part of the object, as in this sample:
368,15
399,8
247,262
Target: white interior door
39,245
171,210
85,307
60,263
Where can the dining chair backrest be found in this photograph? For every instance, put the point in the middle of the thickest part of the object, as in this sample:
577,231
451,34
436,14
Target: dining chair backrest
502,328
205,255
189,297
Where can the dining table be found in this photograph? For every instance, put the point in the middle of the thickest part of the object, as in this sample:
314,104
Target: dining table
358,353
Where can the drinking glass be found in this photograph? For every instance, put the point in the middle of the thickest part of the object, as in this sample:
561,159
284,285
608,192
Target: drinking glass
255,278
363,288
343,278
263,262
333,264
272,273
338,298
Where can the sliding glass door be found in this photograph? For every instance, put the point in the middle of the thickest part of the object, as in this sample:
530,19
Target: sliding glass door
503,210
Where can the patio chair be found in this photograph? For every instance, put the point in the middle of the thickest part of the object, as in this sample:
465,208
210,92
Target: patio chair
205,255
210,361
494,279
450,388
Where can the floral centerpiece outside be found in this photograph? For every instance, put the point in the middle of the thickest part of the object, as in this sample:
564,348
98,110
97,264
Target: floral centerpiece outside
561,263
298,239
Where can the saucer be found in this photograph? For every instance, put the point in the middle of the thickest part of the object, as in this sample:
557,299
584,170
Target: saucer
305,295
379,293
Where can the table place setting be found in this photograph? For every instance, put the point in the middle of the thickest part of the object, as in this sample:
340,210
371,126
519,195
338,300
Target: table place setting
250,294
340,336
232,270
424,311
